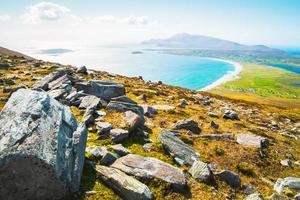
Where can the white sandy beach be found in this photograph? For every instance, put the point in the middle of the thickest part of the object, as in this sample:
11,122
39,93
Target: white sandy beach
231,75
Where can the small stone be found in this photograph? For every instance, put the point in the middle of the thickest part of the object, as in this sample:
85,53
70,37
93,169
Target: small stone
230,114
147,147
104,127
214,125
291,183
179,161
249,189
82,70
254,196
230,178
118,135
252,140
188,124
201,172
297,197
120,150
277,196
89,102
286,163
211,114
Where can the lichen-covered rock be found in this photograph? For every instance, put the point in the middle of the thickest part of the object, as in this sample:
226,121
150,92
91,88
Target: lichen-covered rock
254,196
188,124
120,150
178,148
148,167
291,183
230,114
127,187
89,101
103,89
118,135
230,178
149,111
133,121
42,148
201,172
252,140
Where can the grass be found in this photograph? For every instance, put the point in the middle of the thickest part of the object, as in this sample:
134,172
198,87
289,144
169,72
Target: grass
264,84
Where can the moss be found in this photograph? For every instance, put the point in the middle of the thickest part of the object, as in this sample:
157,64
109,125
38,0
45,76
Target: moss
218,151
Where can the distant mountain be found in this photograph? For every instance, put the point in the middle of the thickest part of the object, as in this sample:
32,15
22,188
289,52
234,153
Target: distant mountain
185,40
4,51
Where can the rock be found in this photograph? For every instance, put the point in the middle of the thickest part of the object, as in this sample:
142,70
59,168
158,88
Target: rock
228,136
249,189
94,151
252,140
127,187
102,89
44,83
178,148
297,163
297,197
143,97
211,114
120,150
102,154
286,163
147,147
182,103
179,161
38,135
118,135
230,114
148,167
81,70
149,111
4,66
89,116
230,178
201,172
254,196
133,121
103,127
188,125
214,125
291,183
277,196
89,101
164,107
124,106
124,99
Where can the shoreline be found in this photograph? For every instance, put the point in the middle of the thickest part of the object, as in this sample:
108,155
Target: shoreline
231,75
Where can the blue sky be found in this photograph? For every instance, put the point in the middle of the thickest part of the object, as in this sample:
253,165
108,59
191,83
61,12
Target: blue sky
70,22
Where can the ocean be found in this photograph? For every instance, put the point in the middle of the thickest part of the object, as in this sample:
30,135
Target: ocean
184,71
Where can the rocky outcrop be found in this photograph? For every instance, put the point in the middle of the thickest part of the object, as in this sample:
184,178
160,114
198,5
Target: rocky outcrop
118,135
252,140
39,136
291,183
148,167
133,121
122,106
178,148
127,187
188,124
103,89
230,178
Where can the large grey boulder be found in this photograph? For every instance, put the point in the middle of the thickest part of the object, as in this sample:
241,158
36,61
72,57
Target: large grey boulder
118,135
230,178
121,106
187,124
201,172
42,147
89,101
133,121
178,148
291,183
252,140
103,89
127,187
148,167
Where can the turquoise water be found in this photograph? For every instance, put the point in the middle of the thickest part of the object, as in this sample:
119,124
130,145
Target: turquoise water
290,68
185,71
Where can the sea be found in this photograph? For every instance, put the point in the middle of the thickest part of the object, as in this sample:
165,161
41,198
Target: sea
185,71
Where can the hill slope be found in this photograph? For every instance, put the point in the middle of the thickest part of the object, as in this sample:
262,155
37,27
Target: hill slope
185,40
4,51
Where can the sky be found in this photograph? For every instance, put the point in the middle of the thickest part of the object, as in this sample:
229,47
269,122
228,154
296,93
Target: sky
75,23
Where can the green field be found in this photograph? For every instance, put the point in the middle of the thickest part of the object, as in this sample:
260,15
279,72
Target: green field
260,83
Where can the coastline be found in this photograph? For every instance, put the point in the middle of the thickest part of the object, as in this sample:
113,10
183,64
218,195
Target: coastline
231,75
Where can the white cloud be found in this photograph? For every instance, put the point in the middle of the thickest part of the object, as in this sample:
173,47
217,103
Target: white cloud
45,11
109,19
4,18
